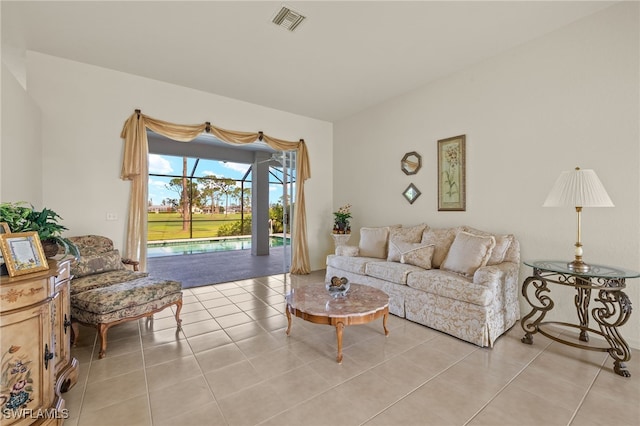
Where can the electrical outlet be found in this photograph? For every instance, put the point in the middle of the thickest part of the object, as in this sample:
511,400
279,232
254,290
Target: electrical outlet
112,216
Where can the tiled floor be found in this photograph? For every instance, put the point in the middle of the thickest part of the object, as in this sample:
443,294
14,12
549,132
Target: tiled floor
232,364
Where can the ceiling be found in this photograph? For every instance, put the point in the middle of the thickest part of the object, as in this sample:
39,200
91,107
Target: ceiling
345,57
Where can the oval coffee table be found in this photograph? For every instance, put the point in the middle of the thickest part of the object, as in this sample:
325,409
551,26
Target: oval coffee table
362,304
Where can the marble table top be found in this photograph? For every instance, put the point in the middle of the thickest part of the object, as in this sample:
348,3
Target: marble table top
314,299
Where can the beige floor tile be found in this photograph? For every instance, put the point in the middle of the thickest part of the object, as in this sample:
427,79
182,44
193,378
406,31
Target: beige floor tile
161,337
270,364
262,312
191,317
220,357
114,365
131,412
159,354
252,405
184,396
251,303
203,342
258,344
217,302
243,297
233,291
233,319
221,311
300,384
244,331
201,327
114,390
207,414
194,306
232,378
523,407
211,295
119,347
165,375
273,323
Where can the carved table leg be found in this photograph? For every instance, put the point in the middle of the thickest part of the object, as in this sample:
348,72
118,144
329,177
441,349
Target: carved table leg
614,313
288,320
384,323
540,306
339,328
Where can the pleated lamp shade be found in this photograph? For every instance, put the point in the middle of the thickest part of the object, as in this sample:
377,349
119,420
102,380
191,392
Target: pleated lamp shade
578,188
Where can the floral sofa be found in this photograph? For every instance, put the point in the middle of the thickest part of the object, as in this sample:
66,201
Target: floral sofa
105,293
461,281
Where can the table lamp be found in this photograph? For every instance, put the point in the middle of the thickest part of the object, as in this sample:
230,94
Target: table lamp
578,188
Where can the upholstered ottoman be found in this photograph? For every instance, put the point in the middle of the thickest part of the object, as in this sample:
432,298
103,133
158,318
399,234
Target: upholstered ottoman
104,307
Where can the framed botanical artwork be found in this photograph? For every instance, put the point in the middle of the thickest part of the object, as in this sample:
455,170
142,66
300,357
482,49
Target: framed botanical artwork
23,253
452,174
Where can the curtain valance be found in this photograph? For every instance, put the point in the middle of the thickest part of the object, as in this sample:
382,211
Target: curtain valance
135,167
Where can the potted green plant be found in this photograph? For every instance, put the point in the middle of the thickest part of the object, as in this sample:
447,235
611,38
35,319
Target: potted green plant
23,217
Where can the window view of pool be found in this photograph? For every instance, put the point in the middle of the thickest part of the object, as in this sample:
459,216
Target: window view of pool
179,247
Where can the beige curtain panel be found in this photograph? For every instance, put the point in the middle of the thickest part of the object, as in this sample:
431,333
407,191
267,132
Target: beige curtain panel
135,167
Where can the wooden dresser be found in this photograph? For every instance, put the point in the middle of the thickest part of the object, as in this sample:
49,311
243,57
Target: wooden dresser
36,366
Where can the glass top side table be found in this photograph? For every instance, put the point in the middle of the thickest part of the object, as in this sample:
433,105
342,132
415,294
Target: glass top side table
612,312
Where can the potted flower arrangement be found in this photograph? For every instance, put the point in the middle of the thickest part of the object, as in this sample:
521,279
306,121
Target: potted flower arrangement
22,217
341,220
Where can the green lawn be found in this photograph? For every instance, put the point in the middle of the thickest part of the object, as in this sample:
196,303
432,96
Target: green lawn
168,226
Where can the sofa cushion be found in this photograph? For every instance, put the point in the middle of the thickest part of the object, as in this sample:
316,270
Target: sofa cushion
503,242
420,255
373,242
442,240
468,253
450,285
390,271
97,263
349,264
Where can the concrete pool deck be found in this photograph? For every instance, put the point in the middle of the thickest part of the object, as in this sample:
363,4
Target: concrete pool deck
200,269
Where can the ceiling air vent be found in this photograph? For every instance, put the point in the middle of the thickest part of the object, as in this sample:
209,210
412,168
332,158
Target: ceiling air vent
288,18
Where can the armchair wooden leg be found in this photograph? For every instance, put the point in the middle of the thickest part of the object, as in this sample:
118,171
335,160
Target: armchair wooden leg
178,309
102,332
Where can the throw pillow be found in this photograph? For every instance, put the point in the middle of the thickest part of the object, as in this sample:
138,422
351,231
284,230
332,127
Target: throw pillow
420,255
350,251
409,234
503,242
442,240
373,242
96,263
468,253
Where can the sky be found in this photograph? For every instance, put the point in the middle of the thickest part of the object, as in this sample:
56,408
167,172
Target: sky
170,165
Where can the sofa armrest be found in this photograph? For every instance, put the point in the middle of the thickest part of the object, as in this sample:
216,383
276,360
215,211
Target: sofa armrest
349,251
131,262
502,275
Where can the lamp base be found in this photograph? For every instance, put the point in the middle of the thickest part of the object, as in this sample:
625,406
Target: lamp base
578,266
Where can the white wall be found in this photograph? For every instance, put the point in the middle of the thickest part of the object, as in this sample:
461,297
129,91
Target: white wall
20,146
83,110
568,99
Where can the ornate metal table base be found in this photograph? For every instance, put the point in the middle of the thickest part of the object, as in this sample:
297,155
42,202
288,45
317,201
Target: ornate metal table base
614,309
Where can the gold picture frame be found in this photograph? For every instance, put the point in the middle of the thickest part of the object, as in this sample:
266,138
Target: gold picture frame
23,253
4,229
452,195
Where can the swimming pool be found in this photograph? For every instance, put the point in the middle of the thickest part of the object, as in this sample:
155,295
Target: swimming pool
179,247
